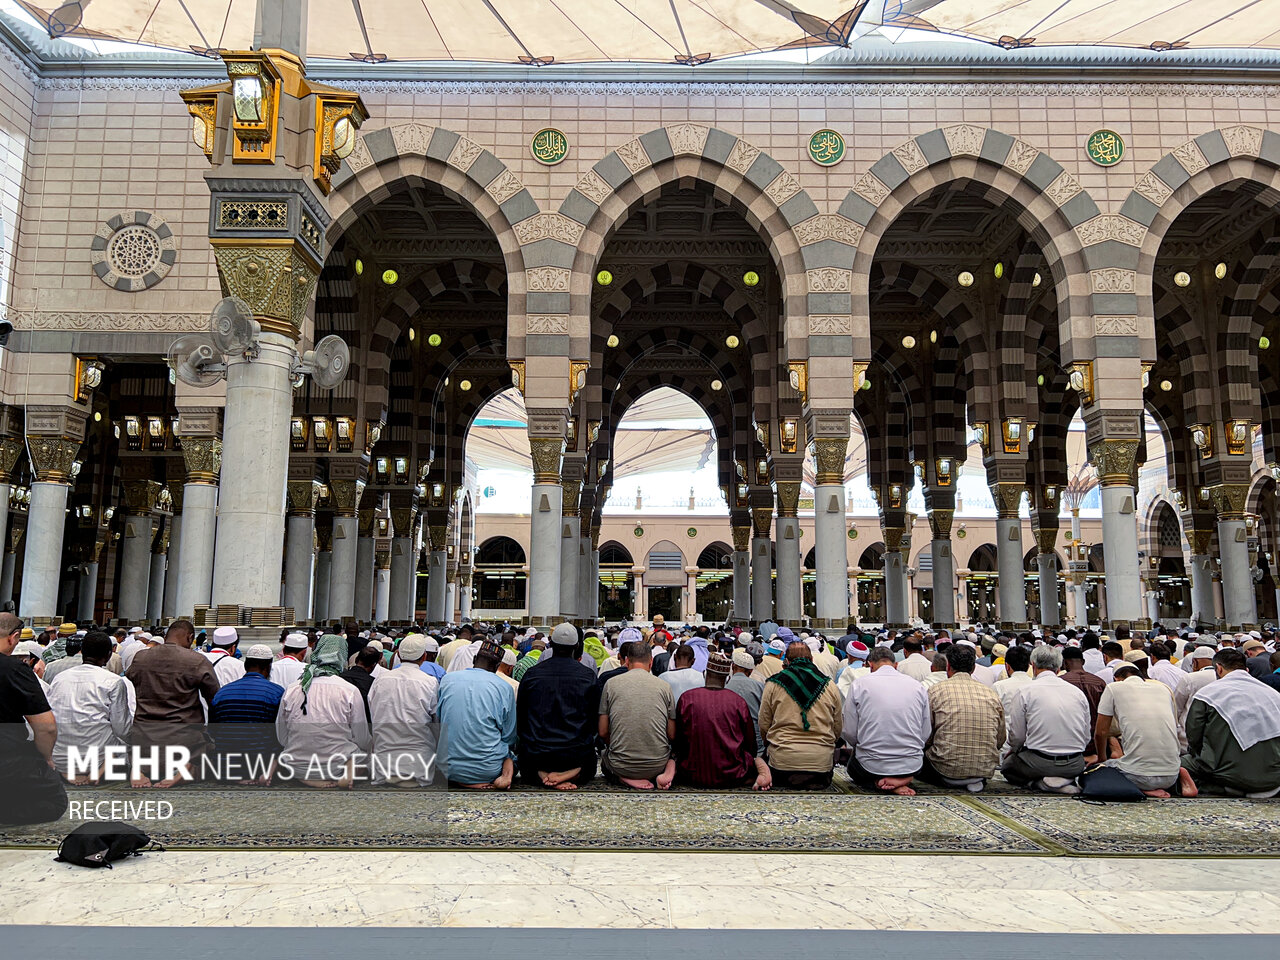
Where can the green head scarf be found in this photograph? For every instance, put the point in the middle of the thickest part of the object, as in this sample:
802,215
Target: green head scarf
327,660
592,645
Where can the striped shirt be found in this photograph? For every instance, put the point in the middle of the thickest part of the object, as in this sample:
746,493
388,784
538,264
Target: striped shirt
242,716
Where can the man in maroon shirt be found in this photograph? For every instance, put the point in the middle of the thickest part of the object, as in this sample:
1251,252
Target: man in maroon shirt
1090,684
715,737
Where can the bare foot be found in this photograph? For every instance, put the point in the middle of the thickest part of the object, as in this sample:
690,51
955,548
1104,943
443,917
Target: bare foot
154,784
1157,794
140,781
478,786
81,781
554,779
667,776
320,784
1187,786
637,784
565,785
503,782
897,785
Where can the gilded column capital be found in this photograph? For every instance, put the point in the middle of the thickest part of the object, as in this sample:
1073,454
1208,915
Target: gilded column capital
324,537
893,538
762,521
52,457
175,496
402,520
10,449
571,490
300,498
365,522
595,537
382,559
829,454
1200,541
345,496
15,535
438,533
940,523
1008,498
203,459
1116,462
141,497
1046,539
547,453
788,497
275,276
741,538
1229,500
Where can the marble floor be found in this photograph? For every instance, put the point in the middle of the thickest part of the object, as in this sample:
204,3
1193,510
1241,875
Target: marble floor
651,891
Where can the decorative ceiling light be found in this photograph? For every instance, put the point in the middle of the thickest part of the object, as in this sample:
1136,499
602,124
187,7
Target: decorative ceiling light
435,340
731,341
1166,385
464,385
1264,343
717,385
751,278
1220,271
359,267
1182,278
97,416
909,342
390,277
1035,281
612,341
604,278
965,279
866,383
413,334
999,270
933,336
1040,380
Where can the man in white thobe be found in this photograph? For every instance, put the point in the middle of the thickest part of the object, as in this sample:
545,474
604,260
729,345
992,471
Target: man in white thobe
93,707
402,703
226,667
291,663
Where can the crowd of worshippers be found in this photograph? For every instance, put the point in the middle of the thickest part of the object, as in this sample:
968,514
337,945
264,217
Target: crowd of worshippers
648,707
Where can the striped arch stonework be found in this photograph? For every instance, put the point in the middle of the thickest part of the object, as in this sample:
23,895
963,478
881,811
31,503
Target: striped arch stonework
1048,202
812,251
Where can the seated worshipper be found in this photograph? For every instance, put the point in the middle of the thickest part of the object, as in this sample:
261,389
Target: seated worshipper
967,723
478,723
915,664
28,651
30,789
507,666
360,674
321,726
1090,684
1112,652
226,666
1142,713
595,649
292,660
886,721
749,690
68,655
402,706
938,670
557,716
772,662
242,721
683,675
1048,729
715,738
855,666
800,722
130,646
1233,733
824,659
1272,679
1016,661
529,659
94,707
1199,676
638,722
1259,657
1162,667
174,685
429,665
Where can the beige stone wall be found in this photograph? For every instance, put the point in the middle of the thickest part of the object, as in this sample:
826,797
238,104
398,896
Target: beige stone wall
99,147
17,110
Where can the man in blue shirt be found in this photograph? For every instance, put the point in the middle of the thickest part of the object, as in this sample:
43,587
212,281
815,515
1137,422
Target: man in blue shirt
477,711
429,665
242,721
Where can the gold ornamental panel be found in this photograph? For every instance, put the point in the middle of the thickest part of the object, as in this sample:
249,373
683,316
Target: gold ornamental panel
1008,498
203,459
141,497
762,521
1230,500
1116,462
10,449
345,496
276,277
52,457
788,498
547,452
830,453
741,539
940,523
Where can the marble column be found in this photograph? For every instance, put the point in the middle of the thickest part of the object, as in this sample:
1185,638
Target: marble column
141,497
789,600
438,573
404,515
944,567
690,611
86,608
594,598
741,573
1047,570
345,495
1080,615
543,596
570,548
1152,595
365,549
451,594
10,564
1201,563
464,594
1239,606
155,591
382,586
203,458
640,596
11,449
299,553
829,537
1116,464
249,549
324,564
1013,585
173,559
895,577
761,565
51,460
586,585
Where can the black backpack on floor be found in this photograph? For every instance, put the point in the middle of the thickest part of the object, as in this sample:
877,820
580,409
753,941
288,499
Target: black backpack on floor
99,843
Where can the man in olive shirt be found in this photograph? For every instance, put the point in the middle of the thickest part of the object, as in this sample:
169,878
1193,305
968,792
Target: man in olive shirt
638,722
1233,733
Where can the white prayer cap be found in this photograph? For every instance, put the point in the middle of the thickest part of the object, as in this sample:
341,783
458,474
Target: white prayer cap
1255,634
1203,653
744,660
134,631
509,657
813,645
412,647
259,651
150,639
431,646
225,636
28,648
295,641
967,643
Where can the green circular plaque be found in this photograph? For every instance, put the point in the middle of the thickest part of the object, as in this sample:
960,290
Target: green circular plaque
549,146
826,148
691,532
1105,148
638,531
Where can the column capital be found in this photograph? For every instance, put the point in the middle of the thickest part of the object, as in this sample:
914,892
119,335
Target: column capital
344,495
1116,461
762,520
547,454
301,497
1046,539
176,490
403,519
1230,500
141,497
893,538
438,533
365,521
595,536
741,538
52,458
788,497
10,450
940,523
1008,498
324,537
1200,541
275,276
571,490
382,559
830,454
203,459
